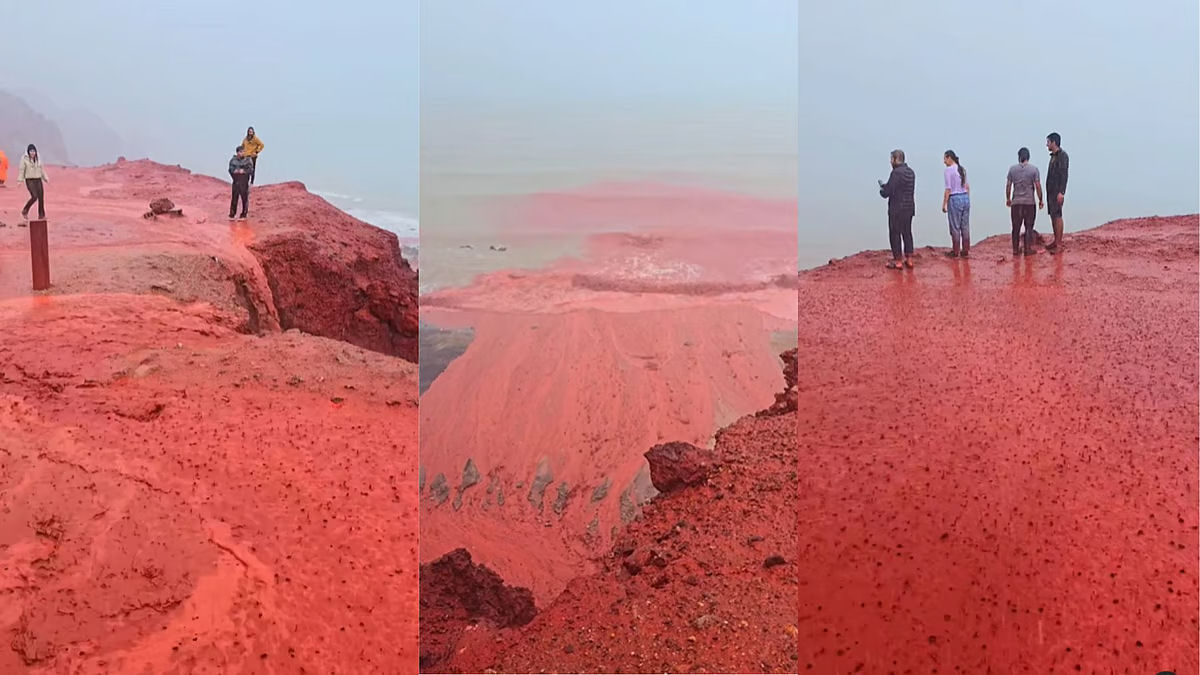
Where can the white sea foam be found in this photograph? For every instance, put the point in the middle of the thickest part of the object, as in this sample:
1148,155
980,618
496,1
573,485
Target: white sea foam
399,222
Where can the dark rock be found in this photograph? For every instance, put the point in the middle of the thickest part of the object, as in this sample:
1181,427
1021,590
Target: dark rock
537,490
161,205
787,400
676,465
454,580
439,490
601,490
470,475
774,561
560,501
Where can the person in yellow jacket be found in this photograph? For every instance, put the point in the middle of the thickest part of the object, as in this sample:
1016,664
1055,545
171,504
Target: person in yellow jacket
33,175
3,169
252,145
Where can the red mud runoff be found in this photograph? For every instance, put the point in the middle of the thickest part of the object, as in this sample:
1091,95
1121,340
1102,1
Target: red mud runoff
999,467
177,495
532,440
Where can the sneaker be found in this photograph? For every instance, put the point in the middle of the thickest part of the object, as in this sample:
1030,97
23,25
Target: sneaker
231,216
242,217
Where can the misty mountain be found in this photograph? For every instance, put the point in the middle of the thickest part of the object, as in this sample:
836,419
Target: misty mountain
21,125
88,138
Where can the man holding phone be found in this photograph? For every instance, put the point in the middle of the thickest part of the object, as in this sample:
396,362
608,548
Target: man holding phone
899,190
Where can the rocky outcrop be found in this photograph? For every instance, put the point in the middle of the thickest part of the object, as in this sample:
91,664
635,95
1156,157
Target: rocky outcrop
457,593
332,275
319,270
785,401
677,465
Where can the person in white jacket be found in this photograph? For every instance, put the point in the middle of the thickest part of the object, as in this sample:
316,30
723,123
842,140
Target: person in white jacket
33,175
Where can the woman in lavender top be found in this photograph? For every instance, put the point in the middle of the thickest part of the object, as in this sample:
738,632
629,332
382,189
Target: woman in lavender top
956,202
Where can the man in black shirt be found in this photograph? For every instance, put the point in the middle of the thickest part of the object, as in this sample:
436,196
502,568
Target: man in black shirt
1056,187
898,190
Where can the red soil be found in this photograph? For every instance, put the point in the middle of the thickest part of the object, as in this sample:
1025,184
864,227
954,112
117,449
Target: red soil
456,593
660,332
999,466
297,263
176,495
704,581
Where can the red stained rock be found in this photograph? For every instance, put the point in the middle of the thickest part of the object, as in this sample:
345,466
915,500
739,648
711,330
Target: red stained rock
677,465
457,593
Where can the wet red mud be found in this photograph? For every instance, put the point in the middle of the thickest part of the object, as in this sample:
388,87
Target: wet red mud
178,494
998,466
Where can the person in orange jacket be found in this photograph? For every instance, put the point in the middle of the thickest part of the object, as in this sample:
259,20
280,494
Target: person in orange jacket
3,169
252,145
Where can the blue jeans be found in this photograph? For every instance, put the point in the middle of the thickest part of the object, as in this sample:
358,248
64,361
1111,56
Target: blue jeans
959,211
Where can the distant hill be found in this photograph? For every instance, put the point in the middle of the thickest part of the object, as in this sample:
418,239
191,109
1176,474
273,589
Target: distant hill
88,138
21,125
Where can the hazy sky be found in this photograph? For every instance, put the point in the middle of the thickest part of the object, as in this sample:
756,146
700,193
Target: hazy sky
330,86
567,87
1117,80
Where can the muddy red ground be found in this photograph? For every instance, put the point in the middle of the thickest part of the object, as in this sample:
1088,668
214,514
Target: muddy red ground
179,496
998,460
704,581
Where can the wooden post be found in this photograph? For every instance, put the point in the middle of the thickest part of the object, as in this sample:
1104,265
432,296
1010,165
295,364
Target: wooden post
39,247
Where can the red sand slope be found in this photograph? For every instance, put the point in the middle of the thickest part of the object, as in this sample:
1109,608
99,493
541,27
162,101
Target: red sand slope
998,459
660,331
579,395
176,495
705,581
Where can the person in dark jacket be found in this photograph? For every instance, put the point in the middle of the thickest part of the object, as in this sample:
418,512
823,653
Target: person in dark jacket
240,168
1056,187
898,190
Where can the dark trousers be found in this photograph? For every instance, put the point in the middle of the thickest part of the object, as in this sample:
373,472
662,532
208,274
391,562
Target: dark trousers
241,188
1023,215
37,193
253,168
900,231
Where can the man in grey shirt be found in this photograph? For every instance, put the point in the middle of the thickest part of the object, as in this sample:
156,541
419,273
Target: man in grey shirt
1023,181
